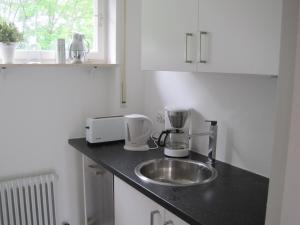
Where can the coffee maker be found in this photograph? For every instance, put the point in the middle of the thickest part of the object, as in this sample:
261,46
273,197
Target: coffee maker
175,138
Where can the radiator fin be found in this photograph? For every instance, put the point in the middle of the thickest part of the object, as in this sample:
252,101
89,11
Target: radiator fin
28,201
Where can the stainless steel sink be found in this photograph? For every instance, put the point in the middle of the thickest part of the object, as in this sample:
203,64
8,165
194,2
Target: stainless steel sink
175,172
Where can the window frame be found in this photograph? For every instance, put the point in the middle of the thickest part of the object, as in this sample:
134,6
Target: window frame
99,32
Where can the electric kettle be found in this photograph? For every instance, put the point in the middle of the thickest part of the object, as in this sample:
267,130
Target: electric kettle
138,129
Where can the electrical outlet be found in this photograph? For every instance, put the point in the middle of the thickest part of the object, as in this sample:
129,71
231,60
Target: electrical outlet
160,117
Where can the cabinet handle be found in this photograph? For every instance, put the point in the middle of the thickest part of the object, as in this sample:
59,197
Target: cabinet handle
92,166
170,222
152,216
100,172
202,33
187,35
97,169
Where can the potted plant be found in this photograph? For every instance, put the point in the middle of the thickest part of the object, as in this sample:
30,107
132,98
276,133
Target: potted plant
9,37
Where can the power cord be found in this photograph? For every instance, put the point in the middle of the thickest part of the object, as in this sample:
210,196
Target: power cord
154,139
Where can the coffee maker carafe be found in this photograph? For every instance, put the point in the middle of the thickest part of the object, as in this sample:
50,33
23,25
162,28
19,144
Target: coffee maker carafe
175,138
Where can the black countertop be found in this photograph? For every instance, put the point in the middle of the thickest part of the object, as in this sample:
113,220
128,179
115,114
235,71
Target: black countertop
236,197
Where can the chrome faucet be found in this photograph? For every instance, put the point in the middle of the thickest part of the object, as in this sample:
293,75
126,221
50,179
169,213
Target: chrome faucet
213,134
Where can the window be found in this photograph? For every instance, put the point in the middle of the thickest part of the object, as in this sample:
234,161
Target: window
44,21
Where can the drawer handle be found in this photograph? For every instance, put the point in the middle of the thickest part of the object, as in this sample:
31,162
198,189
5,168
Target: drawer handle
97,169
100,172
93,166
152,216
202,33
187,35
170,222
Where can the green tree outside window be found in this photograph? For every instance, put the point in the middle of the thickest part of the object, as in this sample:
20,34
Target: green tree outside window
44,21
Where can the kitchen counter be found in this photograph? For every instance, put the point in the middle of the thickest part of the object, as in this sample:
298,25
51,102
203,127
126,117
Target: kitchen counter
236,197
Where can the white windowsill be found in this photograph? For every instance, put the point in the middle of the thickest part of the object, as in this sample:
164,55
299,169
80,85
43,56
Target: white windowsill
89,63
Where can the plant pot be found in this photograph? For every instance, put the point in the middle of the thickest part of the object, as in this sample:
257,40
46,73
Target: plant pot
8,52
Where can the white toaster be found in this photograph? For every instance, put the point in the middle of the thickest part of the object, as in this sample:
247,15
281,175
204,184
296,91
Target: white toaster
105,129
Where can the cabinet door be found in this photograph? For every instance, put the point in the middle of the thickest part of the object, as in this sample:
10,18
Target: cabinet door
243,36
171,219
98,188
133,208
169,35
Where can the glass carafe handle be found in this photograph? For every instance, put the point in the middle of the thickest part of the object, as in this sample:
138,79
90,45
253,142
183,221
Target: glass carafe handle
159,141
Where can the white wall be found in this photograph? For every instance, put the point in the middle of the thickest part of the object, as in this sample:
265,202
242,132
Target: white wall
40,109
283,110
242,105
134,78
291,198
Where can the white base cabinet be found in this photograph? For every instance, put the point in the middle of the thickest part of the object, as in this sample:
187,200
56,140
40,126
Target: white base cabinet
134,208
171,219
98,194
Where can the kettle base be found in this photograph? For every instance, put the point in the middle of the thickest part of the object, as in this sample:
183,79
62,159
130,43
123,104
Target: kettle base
178,153
136,148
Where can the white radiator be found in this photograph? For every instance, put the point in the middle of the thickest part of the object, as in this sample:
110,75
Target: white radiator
28,201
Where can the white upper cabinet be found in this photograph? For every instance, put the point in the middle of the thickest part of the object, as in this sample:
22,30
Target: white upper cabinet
169,35
233,36
242,36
